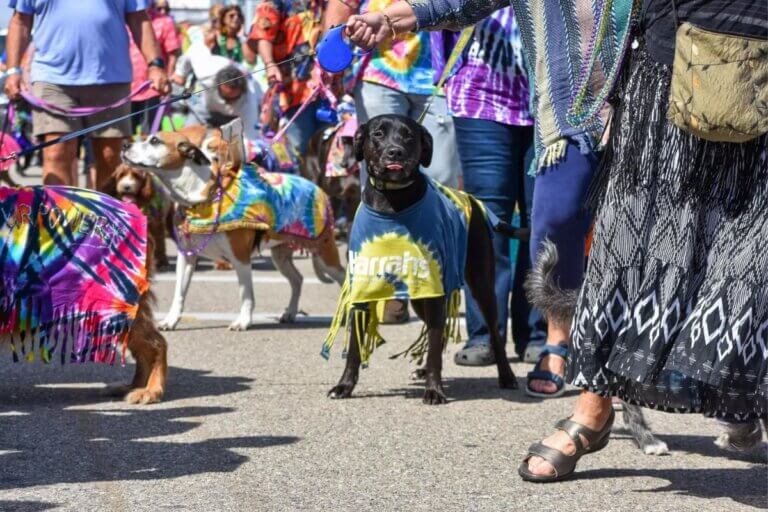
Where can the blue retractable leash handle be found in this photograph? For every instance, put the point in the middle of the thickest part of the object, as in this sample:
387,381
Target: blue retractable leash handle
334,52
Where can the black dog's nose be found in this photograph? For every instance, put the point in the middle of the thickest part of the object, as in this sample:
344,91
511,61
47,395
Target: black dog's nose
126,144
394,153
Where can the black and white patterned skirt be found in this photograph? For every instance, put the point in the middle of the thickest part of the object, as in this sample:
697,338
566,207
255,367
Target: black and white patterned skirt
673,313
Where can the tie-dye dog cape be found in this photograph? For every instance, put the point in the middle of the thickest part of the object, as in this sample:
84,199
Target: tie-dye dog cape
417,253
72,271
287,206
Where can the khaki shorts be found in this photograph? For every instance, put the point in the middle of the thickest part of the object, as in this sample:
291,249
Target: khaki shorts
67,96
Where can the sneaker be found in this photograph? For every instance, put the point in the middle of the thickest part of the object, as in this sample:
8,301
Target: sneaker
532,351
475,355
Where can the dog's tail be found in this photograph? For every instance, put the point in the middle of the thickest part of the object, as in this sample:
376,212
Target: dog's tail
641,432
543,292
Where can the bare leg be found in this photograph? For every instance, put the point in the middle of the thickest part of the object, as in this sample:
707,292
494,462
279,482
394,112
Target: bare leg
58,162
592,411
552,362
107,158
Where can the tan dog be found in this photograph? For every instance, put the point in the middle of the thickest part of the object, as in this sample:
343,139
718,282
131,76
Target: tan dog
190,163
150,350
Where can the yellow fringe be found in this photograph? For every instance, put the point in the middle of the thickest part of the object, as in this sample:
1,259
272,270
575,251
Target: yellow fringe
365,319
553,153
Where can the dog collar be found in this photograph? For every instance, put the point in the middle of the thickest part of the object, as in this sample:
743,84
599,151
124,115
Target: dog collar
387,185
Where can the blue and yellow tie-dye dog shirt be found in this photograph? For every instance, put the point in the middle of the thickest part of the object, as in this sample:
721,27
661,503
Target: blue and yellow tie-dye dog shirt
418,253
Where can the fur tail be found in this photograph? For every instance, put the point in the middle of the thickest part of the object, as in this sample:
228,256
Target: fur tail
543,292
641,432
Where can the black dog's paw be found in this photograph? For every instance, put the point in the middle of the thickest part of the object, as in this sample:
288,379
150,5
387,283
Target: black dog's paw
508,381
341,391
419,374
434,397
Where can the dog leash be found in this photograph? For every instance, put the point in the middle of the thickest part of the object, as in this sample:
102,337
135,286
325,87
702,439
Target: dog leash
458,49
82,111
171,100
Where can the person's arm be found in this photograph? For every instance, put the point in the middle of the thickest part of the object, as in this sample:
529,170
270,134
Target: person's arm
337,13
19,33
249,56
171,44
267,24
144,35
182,70
368,30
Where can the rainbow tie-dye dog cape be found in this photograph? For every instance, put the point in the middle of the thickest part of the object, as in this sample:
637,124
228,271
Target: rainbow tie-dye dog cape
285,205
417,253
72,271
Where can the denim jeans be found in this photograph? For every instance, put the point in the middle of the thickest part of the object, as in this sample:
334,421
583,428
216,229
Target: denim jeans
494,159
559,213
373,100
304,127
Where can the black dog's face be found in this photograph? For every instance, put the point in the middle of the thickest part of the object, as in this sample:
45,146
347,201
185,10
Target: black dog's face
393,147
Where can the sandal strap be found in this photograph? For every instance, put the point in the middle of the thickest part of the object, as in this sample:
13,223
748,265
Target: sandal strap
545,375
561,349
562,463
576,431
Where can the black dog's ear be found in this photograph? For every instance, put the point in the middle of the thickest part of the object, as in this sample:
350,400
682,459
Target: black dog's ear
360,136
426,147
193,152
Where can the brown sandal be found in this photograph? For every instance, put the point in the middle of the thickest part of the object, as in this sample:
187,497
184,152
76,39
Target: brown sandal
563,464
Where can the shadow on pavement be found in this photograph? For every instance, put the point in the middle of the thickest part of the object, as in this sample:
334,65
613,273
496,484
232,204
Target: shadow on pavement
26,506
51,446
748,486
37,384
705,445
464,389
46,440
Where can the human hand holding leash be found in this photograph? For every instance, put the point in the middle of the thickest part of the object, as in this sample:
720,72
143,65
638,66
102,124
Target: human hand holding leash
13,86
159,79
372,28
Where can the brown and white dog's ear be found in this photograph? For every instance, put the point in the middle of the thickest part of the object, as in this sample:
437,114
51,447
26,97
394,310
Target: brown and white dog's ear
192,152
426,147
147,191
359,144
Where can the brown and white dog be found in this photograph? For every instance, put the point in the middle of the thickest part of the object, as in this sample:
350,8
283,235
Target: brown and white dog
133,185
188,163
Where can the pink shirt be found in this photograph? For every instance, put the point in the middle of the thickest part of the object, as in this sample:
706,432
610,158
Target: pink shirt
169,41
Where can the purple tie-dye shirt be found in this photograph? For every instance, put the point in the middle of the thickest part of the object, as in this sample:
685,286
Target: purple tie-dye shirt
491,82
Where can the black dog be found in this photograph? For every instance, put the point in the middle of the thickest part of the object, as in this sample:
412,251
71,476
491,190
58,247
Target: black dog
344,191
393,148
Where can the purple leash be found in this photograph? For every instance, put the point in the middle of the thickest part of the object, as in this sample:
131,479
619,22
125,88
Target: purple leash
81,111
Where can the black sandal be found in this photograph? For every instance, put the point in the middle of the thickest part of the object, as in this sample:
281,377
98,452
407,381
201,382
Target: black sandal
563,464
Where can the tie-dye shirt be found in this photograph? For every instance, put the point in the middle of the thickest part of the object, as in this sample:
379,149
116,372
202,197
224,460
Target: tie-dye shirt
403,64
404,255
287,206
490,81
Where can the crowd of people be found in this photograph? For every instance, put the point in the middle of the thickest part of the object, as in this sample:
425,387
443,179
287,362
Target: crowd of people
554,117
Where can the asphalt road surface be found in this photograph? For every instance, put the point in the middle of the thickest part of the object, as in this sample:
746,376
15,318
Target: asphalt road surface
246,425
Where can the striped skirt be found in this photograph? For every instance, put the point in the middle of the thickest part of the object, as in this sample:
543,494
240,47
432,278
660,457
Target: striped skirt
673,312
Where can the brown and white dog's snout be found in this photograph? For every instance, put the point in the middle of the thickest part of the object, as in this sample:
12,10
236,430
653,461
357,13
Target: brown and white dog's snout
129,184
